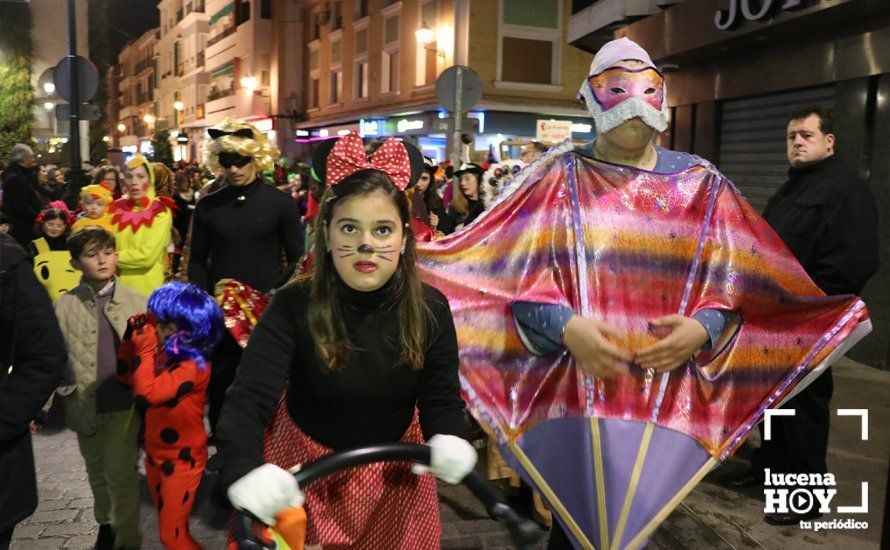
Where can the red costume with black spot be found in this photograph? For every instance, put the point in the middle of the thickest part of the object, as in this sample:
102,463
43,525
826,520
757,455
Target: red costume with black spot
175,440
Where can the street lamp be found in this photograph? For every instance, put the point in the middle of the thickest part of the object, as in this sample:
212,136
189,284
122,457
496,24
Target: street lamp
178,105
248,82
149,118
48,105
425,35
122,127
49,87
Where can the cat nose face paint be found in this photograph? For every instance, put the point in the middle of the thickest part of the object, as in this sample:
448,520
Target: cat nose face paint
616,85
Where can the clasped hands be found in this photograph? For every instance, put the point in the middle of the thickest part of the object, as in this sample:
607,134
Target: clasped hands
591,343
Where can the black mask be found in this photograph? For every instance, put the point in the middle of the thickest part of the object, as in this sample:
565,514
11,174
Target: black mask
227,159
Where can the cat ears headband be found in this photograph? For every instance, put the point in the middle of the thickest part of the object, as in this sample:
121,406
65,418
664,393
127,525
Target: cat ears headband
336,159
243,132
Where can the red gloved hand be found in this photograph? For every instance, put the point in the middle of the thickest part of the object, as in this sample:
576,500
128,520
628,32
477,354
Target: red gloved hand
141,331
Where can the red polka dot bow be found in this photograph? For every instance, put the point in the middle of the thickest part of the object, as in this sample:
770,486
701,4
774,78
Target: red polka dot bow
348,157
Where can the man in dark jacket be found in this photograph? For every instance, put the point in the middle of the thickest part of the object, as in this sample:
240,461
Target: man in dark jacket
22,201
32,358
241,231
829,221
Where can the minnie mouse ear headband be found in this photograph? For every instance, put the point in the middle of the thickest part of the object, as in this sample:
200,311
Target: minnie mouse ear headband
336,159
53,207
469,167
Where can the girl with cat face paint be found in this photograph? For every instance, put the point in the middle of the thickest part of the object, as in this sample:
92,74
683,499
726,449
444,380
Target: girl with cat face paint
369,354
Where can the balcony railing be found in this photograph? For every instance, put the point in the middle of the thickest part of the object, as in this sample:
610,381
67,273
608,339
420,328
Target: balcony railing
220,36
215,93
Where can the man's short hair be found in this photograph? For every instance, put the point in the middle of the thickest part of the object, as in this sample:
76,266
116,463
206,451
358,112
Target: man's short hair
826,120
88,237
20,152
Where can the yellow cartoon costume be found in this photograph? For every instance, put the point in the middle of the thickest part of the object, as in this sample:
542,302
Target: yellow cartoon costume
143,230
53,269
52,261
94,192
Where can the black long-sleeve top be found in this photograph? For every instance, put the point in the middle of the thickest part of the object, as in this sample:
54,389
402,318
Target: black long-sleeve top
829,221
372,401
22,201
240,233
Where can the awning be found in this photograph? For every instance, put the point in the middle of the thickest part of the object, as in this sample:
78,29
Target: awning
222,13
224,70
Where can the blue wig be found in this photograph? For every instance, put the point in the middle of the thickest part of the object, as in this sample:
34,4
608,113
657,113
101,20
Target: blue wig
198,320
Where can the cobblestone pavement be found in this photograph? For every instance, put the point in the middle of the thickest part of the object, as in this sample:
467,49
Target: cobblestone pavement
710,517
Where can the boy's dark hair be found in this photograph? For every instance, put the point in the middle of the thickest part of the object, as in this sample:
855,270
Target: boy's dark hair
826,120
89,236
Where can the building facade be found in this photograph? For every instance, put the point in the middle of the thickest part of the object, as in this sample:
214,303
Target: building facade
131,103
184,82
238,61
735,69
372,65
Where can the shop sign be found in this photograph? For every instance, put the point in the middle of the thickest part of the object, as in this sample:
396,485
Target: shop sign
199,111
182,138
753,10
371,127
408,125
553,131
302,133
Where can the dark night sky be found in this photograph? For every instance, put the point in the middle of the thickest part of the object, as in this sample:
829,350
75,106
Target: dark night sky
133,17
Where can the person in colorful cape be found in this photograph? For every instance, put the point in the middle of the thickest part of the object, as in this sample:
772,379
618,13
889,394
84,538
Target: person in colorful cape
52,262
621,288
142,223
363,354
95,200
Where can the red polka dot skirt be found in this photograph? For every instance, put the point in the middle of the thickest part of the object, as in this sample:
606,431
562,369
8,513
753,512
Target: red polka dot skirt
374,507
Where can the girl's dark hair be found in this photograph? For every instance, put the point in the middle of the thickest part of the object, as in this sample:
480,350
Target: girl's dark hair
325,310
431,197
50,214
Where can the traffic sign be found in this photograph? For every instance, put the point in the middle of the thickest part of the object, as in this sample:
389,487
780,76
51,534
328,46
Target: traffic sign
87,79
470,88
468,125
87,112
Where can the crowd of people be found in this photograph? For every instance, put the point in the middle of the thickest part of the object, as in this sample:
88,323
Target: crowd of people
113,300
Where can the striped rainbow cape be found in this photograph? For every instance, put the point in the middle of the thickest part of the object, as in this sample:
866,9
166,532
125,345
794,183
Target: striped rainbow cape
627,246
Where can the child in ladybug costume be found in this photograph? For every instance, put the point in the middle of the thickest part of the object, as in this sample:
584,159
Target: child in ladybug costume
162,357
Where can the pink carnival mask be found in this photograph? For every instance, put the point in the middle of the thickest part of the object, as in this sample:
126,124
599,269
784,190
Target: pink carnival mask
616,85
617,95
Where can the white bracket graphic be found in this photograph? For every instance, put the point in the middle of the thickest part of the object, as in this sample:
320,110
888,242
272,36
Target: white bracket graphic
862,414
863,503
768,415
